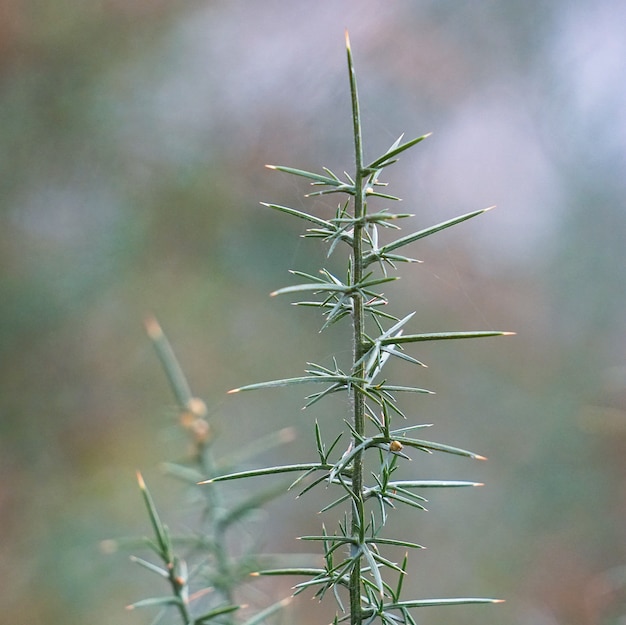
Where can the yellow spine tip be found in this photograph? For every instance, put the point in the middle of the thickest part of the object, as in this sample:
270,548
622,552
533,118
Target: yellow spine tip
271,166
204,482
153,329
233,390
347,39
140,481
509,333
477,457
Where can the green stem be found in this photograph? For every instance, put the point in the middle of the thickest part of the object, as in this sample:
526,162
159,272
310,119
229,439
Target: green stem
183,609
205,462
358,315
213,508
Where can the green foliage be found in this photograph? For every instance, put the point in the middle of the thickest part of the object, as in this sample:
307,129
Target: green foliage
358,568
355,563
202,582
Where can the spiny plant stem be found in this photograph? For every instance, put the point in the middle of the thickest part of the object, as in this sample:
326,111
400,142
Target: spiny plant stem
205,591
214,507
196,410
364,570
358,318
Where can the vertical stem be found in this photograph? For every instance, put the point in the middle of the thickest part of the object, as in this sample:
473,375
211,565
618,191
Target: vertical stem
358,400
213,508
204,460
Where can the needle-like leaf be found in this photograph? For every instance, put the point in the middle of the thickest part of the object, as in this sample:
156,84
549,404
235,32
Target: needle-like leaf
289,468
416,236
388,157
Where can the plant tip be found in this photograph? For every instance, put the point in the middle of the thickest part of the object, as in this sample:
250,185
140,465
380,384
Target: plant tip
140,481
153,329
233,390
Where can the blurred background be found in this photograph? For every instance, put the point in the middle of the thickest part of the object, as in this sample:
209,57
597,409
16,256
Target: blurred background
133,138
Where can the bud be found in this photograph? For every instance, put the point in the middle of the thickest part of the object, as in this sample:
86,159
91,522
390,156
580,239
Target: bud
395,446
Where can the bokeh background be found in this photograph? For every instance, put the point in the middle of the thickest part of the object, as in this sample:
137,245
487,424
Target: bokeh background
133,138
